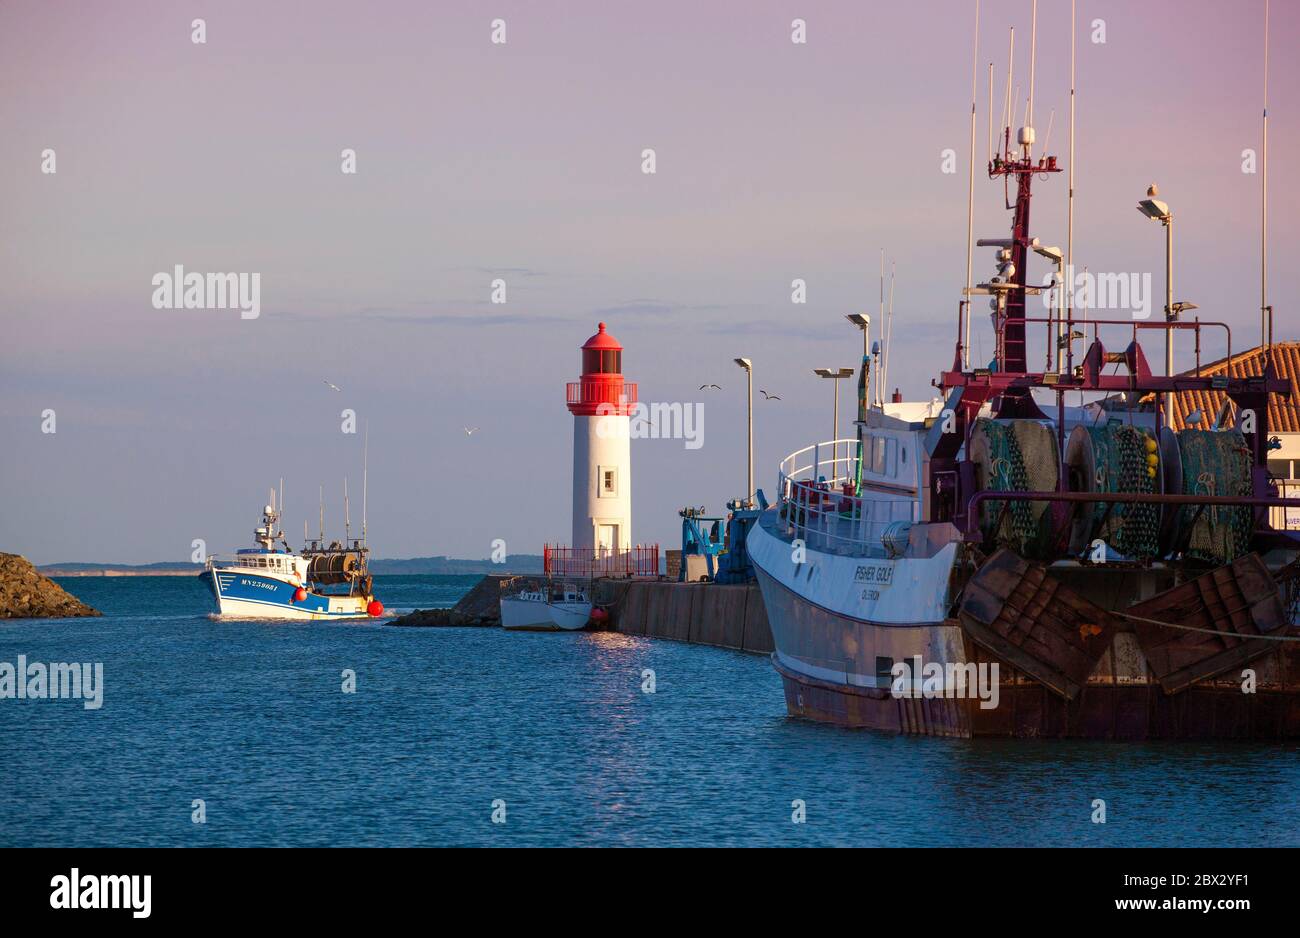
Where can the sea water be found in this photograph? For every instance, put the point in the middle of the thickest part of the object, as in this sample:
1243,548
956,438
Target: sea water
216,732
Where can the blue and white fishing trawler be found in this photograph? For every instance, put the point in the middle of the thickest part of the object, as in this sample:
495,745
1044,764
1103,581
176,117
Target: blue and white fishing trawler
264,582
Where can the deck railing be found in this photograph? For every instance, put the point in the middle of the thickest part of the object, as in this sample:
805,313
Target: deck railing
818,504
592,562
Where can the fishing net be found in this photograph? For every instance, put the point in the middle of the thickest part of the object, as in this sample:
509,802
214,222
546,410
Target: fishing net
1216,463
1125,460
1016,456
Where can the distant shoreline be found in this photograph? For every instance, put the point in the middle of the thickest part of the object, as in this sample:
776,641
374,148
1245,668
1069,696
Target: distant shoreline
414,566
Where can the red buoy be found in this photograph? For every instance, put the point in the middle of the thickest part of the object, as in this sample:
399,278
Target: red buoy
375,608
299,595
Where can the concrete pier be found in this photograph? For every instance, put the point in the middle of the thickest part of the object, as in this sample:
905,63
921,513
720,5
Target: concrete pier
699,613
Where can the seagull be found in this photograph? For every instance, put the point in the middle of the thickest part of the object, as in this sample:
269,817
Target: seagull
469,431
333,387
1193,418
715,386
768,397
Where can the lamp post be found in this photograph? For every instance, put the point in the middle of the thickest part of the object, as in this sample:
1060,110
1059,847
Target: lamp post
863,322
1156,210
749,374
835,374
1057,257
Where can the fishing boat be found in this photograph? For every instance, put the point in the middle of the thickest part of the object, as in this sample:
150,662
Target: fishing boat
1049,551
274,582
559,607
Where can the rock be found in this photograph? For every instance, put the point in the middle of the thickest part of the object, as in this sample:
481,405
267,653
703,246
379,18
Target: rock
26,594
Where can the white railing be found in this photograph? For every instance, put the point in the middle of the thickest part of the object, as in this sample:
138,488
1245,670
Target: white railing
1286,519
818,504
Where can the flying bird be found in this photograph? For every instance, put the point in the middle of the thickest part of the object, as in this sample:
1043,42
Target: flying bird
469,431
333,387
714,386
768,397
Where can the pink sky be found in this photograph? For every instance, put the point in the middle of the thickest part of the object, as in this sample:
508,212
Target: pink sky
522,161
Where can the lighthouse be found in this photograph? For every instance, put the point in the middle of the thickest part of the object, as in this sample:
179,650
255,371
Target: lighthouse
600,401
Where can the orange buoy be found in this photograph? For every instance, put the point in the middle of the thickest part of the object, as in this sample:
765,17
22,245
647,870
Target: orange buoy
299,595
375,608
599,615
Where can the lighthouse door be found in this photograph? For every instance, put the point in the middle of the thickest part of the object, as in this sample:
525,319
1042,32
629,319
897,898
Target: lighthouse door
607,538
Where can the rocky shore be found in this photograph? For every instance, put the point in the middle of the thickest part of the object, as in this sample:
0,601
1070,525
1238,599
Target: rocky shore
479,607
26,594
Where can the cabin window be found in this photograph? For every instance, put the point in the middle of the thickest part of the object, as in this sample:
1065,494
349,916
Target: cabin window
878,455
891,457
608,481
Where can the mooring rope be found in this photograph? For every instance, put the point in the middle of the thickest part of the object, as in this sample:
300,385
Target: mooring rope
1193,628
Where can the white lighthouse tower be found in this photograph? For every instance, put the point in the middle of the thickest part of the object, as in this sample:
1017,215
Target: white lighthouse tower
600,402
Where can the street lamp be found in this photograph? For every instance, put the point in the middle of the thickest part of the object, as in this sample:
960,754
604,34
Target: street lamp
1057,257
863,322
1156,210
835,374
749,374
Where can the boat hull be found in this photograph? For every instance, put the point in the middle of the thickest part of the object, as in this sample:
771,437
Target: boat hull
832,657
241,595
532,616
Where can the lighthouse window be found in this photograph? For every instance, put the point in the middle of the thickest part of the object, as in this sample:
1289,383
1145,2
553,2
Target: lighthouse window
598,362
608,482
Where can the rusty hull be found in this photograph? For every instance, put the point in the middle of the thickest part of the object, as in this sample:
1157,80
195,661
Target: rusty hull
1069,669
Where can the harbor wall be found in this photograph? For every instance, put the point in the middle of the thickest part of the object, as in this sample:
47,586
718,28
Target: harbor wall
698,613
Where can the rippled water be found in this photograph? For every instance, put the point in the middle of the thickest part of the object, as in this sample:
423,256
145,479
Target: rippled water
250,718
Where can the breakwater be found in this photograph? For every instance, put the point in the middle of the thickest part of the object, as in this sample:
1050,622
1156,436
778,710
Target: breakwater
27,594
697,613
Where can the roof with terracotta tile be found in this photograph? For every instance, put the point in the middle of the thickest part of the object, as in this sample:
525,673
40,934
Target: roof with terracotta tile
1283,414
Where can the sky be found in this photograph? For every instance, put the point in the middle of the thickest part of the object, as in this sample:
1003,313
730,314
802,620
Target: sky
523,161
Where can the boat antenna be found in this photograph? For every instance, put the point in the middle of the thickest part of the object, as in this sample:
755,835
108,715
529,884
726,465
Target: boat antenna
889,322
880,382
1068,329
347,514
1265,312
1033,64
1006,98
322,515
365,472
970,183
990,112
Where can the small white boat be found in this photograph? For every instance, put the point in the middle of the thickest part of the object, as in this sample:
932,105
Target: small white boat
558,609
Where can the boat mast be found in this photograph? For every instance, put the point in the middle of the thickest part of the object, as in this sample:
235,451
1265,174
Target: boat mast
970,182
1066,331
365,472
1265,313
